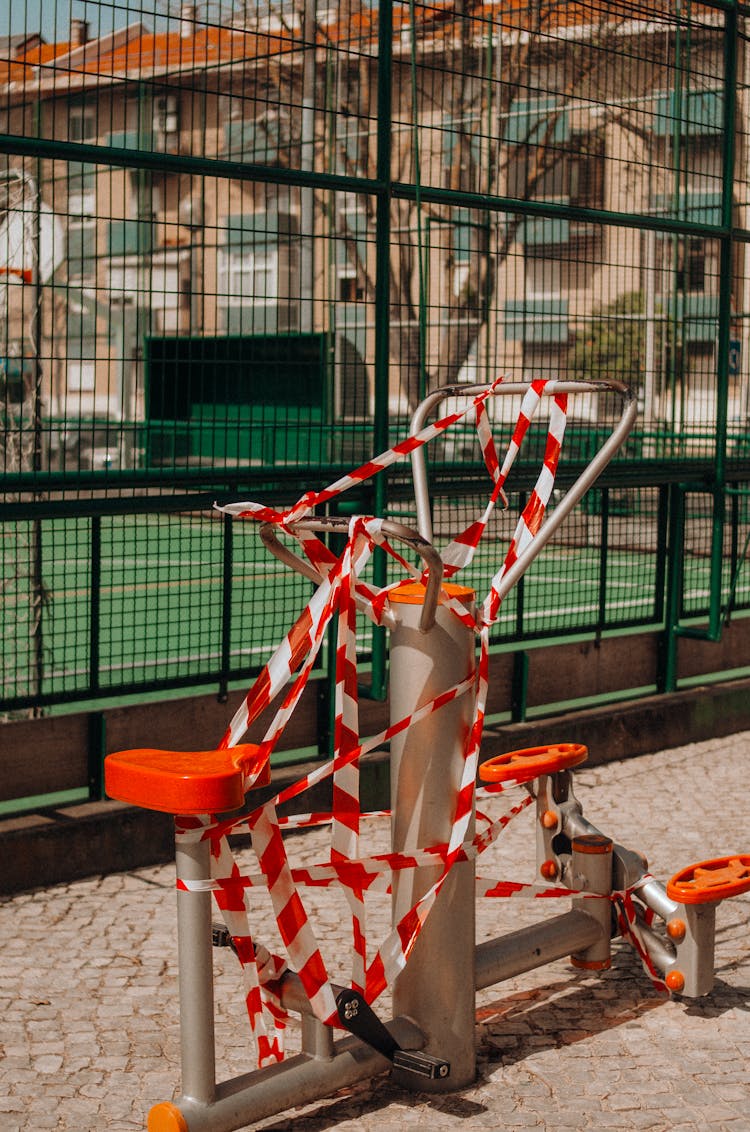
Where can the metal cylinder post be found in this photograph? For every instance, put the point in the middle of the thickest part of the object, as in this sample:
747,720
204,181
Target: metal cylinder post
195,954
436,988
592,869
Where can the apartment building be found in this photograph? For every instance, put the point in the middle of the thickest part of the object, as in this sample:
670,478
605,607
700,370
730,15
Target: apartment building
555,127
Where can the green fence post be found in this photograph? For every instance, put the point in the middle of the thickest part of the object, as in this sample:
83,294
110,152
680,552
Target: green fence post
97,730
667,676
378,684
519,686
226,610
95,602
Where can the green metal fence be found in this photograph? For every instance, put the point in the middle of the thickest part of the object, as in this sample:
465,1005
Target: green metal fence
238,244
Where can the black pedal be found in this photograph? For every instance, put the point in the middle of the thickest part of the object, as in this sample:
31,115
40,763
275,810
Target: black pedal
357,1016
423,1064
220,936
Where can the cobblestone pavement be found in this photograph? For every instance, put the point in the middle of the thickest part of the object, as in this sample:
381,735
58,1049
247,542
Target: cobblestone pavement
88,991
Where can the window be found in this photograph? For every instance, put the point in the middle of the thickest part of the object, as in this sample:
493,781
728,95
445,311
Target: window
166,114
81,237
537,121
543,276
536,321
129,246
257,140
462,141
80,348
699,113
130,237
249,287
125,282
258,274
82,249
351,250
688,264
349,289
690,273
690,204
81,375
543,361
586,169
81,188
82,123
571,177
353,141
463,239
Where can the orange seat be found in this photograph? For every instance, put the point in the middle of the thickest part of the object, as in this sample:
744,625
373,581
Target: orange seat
183,782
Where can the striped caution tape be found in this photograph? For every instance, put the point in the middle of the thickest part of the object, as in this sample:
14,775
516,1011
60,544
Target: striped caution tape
288,670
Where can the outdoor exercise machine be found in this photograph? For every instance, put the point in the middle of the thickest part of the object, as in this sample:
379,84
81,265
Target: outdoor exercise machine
437,694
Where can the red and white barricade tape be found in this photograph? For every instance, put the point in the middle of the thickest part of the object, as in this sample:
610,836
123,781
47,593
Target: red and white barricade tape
338,593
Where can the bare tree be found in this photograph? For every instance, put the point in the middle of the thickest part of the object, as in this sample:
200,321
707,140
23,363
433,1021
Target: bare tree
457,65
480,106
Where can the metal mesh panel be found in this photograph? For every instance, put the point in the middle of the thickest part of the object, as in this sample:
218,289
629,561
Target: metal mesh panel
238,244
697,551
66,580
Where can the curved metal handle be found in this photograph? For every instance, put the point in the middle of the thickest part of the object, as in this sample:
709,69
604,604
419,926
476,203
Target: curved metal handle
300,565
340,524
574,493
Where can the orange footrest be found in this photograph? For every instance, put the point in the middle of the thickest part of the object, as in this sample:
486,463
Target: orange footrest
183,782
710,881
530,762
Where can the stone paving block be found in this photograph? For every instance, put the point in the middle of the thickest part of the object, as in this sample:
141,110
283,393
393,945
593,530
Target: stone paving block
88,992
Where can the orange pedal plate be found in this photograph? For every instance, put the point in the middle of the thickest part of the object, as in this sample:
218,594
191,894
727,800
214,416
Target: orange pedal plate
530,762
709,881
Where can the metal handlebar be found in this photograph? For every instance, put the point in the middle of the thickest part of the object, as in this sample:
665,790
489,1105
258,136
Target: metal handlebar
574,492
420,541
339,524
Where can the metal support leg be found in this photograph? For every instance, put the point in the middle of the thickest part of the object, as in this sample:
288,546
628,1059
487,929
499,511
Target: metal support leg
437,987
263,1093
535,946
317,1039
695,955
196,976
592,863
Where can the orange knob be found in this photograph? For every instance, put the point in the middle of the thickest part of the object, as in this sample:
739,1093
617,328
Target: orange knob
549,870
549,819
675,980
677,930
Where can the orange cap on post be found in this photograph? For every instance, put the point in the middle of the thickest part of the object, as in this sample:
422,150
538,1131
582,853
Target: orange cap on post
412,593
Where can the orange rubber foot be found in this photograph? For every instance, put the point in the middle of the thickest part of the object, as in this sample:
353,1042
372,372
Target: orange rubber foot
166,1117
523,765
710,881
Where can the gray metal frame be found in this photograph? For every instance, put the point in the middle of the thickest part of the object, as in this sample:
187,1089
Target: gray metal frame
431,651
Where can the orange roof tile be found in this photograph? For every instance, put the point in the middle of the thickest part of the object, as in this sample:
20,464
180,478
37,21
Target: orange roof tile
45,52
133,51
